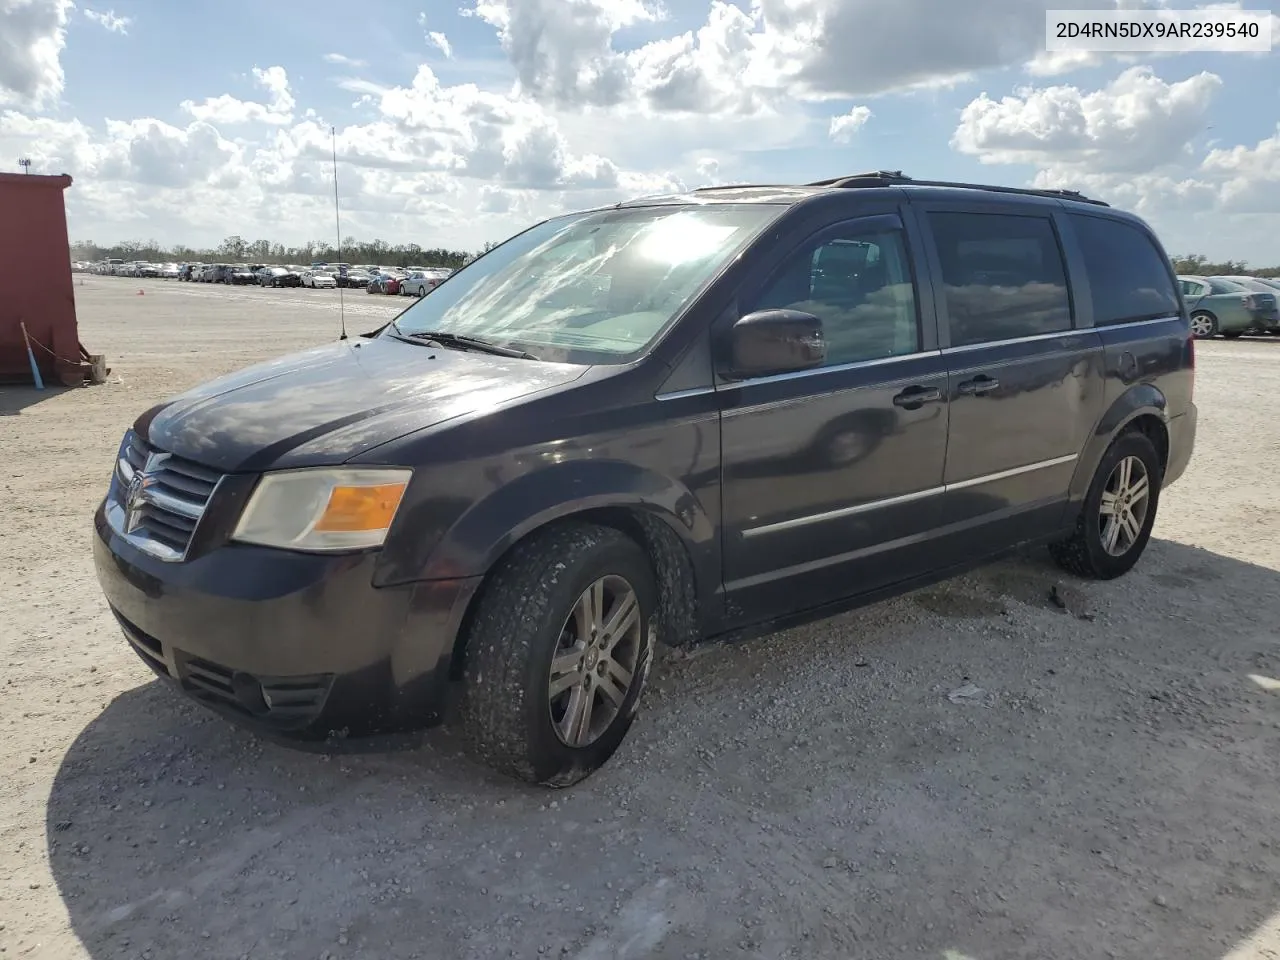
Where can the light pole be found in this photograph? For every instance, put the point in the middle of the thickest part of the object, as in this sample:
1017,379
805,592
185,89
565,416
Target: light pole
25,164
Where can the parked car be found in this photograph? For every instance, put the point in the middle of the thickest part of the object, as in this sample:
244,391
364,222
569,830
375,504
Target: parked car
421,282
242,275
1264,302
353,278
388,283
319,279
1220,306
338,540
188,271
217,273
279,277
170,271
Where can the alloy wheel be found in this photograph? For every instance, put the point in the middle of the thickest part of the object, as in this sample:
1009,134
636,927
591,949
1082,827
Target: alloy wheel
594,664
1202,325
1125,502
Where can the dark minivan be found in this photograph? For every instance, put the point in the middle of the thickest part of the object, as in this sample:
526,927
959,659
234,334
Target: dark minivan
682,417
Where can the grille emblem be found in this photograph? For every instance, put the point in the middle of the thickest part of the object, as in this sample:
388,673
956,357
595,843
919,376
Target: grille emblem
135,497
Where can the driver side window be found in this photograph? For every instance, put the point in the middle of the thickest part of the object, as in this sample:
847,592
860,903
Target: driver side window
860,286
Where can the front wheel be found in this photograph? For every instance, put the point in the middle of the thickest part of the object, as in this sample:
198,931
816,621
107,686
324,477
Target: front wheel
558,653
1118,512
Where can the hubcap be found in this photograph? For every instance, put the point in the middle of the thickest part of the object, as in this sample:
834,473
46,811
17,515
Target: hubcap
1125,501
595,662
1201,325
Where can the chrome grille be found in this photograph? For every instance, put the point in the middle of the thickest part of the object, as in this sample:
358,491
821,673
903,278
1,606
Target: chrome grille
157,499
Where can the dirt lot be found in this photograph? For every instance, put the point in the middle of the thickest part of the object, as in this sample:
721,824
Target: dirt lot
1109,790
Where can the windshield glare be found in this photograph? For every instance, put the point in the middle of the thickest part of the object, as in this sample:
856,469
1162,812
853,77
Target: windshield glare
591,288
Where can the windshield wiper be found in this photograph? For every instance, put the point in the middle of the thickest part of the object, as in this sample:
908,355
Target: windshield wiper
464,342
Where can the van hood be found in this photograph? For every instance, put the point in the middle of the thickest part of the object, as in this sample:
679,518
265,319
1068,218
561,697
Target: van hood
329,404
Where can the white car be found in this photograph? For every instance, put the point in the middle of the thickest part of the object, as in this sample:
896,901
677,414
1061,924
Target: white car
421,282
319,279
169,271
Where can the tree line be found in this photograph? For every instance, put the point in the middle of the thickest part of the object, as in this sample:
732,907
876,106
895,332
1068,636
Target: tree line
235,249
1198,265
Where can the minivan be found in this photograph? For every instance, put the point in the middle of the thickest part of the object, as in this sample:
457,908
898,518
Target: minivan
672,419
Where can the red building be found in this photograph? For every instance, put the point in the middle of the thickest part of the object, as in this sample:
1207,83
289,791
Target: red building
35,282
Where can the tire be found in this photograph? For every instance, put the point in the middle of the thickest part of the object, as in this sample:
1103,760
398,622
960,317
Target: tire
422,291
1085,553
1206,327
512,720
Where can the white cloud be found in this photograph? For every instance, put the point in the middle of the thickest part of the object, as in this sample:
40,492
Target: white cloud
147,152
231,110
108,20
440,42
32,35
343,60
743,60
1137,144
435,38
843,127
1135,123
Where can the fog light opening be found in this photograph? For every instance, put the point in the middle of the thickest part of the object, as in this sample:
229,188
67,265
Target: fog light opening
249,694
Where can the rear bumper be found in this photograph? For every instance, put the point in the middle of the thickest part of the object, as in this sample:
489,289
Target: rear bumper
1182,441
294,645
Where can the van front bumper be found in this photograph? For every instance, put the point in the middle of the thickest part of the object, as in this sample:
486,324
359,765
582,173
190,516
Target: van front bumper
298,645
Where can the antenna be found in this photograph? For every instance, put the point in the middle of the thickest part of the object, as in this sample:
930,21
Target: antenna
25,164
337,219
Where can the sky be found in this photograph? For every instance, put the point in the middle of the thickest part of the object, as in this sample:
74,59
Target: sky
460,122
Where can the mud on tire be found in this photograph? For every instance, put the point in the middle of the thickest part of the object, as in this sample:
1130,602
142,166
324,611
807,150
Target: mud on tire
1084,553
530,614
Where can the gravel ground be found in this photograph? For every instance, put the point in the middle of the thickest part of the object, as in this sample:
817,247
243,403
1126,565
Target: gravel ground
964,773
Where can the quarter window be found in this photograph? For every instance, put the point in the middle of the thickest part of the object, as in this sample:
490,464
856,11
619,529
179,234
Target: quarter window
860,285
1004,276
1128,276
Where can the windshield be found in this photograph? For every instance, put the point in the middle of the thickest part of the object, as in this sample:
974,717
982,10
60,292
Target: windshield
589,288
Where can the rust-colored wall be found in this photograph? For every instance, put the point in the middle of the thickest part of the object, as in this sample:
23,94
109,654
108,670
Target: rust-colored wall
35,279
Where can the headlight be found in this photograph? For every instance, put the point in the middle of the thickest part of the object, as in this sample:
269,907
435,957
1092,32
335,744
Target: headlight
323,510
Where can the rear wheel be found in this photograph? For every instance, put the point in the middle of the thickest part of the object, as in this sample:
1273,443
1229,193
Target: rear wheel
1118,512
1203,325
558,653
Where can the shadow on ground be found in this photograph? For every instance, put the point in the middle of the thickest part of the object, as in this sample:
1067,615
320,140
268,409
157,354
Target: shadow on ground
1108,792
16,398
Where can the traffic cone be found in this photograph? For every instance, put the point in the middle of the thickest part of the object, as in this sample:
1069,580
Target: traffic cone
142,293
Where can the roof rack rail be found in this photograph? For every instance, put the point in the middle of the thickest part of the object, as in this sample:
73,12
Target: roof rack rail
742,186
890,178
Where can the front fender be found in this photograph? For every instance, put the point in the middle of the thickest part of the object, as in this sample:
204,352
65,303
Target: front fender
1139,400
490,526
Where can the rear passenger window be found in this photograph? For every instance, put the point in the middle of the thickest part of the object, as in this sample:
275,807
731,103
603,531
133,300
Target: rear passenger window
1128,276
859,284
1004,276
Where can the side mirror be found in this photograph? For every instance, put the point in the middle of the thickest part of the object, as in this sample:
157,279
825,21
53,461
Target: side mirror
769,342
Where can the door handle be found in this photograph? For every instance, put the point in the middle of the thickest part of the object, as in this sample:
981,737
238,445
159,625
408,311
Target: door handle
913,398
978,386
